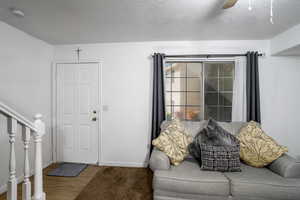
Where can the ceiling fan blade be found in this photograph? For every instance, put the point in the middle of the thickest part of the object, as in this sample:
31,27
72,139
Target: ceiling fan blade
229,4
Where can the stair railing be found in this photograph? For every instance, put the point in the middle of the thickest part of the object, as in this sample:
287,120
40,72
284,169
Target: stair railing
37,130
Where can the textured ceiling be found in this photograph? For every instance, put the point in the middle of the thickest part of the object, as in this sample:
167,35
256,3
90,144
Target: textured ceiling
91,21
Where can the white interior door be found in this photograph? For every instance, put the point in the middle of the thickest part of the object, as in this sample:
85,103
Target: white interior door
78,112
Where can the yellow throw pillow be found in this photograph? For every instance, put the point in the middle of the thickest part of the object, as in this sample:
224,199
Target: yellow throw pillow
174,141
256,147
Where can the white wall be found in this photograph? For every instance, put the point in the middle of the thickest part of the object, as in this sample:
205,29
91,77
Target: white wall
127,72
25,84
280,100
285,42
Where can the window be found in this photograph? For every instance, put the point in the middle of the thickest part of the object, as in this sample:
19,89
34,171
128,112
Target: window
198,90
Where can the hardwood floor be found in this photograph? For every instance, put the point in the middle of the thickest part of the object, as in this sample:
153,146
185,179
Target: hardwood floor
98,183
119,183
63,188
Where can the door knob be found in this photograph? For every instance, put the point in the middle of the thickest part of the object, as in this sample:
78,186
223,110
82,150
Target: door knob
94,119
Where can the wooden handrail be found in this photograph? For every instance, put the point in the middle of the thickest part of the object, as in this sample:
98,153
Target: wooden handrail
37,130
6,110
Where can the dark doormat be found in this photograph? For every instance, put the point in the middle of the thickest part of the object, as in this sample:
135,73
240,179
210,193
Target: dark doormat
68,169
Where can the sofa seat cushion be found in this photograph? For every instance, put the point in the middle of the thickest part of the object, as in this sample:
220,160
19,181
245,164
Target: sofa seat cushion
165,195
262,183
188,178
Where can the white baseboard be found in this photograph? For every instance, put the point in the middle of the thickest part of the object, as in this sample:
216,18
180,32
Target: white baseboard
123,164
3,188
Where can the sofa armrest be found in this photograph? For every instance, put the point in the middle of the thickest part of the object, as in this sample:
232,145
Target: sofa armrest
286,166
159,160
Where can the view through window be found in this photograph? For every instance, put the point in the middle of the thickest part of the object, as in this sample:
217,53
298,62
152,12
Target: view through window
198,90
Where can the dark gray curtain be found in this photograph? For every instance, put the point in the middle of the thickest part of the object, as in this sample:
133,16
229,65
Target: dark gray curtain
158,103
253,96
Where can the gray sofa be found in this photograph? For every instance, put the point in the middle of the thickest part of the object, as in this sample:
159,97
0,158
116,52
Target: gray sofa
278,181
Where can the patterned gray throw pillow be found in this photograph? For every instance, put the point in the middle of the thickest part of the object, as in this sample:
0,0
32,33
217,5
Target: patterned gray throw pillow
216,149
220,158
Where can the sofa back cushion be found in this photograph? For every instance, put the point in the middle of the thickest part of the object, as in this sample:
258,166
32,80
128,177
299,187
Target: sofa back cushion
194,127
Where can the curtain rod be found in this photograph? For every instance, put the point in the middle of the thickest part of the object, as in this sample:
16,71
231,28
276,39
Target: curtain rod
207,55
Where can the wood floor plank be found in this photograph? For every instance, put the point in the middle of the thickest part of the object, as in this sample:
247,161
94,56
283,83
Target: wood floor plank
63,188
98,183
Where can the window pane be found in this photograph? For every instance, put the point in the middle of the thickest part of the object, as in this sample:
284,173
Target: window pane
211,111
184,81
211,84
168,113
225,114
194,98
225,99
226,69
193,113
178,84
211,98
175,69
168,98
179,69
226,84
168,69
211,70
178,98
194,69
194,84
167,84
179,112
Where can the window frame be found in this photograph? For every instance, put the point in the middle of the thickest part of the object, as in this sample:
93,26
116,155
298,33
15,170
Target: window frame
203,61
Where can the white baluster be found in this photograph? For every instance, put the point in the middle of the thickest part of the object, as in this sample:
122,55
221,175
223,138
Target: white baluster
38,167
26,190
12,181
